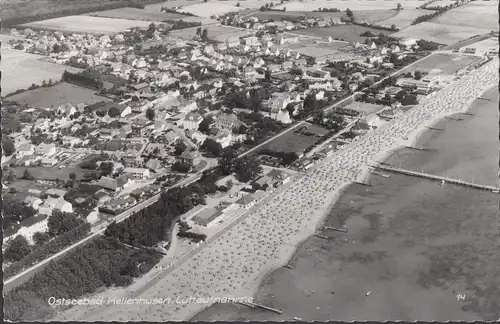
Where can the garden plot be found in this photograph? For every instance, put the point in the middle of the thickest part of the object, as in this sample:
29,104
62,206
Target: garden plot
439,33
23,69
56,95
88,24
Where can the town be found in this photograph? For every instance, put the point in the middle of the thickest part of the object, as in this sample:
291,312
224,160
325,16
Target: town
175,131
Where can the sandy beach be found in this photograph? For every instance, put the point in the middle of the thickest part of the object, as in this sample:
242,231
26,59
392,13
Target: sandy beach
412,243
235,263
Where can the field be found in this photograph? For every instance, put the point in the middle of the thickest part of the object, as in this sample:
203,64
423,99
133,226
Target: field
137,14
291,142
483,15
364,108
353,5
87,24
59,94
21,69
169,4
219,33
49,174
15,12
404,18
348,33
209,9
442,3
439,33
443,63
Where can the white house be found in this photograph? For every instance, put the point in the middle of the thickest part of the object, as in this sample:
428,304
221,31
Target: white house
55,203
191,121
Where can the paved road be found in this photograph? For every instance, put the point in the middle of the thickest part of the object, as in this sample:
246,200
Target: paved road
18,279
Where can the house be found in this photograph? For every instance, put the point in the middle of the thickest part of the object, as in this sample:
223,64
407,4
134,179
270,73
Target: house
287,65
278,102
222,46
246,201
191,157
50,204
227,122
191,121
206,216
33,202
26,149
171,136
223,137
209,50
56,192
138,173
114,184
251,41
153,164
101,196
232,41
407,42
278,177
108,133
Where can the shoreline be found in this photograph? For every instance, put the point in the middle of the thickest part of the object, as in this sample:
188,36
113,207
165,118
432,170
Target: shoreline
273,233
364,176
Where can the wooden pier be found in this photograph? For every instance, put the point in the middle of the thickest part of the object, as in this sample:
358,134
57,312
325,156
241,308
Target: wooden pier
417,148
434,128
254,305
453,118
362,183
321,236
335,229
381,174
438,178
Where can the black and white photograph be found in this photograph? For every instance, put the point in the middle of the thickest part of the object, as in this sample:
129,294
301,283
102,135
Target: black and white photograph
250,160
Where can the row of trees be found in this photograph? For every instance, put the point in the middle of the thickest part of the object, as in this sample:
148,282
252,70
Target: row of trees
102,262
82,80
438,11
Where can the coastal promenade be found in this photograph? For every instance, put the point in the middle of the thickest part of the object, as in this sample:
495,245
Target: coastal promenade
235,263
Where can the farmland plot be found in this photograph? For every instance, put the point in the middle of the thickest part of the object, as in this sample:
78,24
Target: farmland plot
404,18
343,5
482,15
439,33
20,70
208,9
137,14
87,24
170,4
217,32
59,94
349,33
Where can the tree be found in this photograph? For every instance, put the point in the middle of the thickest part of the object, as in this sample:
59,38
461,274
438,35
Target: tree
349,13
152,27
113,112
238,4
60,222
8,146
226,160
418,75
310,103
56,48
399,7
409,100
198,31
212,146
268,74
247,169
27,175
181,167
393,27
400,95
204,34
17,249
150,114
204,126
106,168
229,184
180,147
41,238
262,8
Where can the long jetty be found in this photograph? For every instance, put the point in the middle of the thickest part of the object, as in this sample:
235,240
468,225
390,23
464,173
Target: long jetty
436,177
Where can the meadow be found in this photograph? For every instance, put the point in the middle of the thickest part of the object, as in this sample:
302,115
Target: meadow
217,32
404,18
349,33
20,70
439,33
87,24
56,95
364,108
353,5
477,14
137,14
